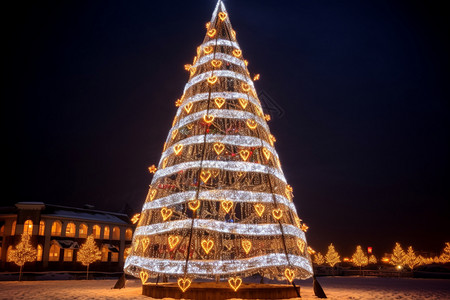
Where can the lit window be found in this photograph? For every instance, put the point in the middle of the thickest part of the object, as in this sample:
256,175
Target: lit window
70,229
104,253
106,232
28,227
128,234
82,232
41,227
39,253
114,256
13,228
96,231
116,233
68,254
54,253
56,228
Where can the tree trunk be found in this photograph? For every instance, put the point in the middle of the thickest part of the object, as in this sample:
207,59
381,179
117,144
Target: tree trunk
20,273
87,273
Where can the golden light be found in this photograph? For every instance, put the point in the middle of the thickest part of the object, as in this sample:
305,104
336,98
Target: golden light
233,33
190,125
289,188
304,227
187,67
246,62
145,242
219,101
184,284
237,52
267,117
226,205
256,77
244,154
272,139
205,175
194,204
188,107
346,259
166,213
208,118
247,245
235,283
289,274
174,134
216,63
301,245
245,87
207,245
208,49
192,70
243,102
152,169
177,149
173,241
277,213
399,267
195,60
218,148
311,251
144,276
259,209
152,194
251,124
164,163
212,32
222,16
135,218
207,25
212,80
385,259
266,153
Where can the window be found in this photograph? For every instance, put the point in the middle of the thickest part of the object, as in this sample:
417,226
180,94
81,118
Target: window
13,228
82,231
96,230
54,253
116,233
39,252
114,256
41,227
106,232
128,234
70,230
56,228
68,254
28,227
104,253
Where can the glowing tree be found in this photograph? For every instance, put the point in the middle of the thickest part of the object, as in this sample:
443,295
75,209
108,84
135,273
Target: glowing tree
219,206
22,253
359,258
88,253
372,259
410,258
398,256
319,259
332,257
445,256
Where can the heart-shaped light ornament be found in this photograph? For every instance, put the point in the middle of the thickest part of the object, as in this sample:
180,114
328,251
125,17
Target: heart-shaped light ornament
218,148
207,245
166,213
259,209
240,174
136,244
222,16
173,241
247,245
164,163
216,63
190,125
251,124
208,118
244,154
194,204
144,276
243,102
174,134
277,213
266,153
233,33
289,274
245,87
235,283
212,80
145,242
205,175
152,194
212,32
208,49
177,149
301,246
192,71
226,205
219,101
237,52
215,173
184,284
188,107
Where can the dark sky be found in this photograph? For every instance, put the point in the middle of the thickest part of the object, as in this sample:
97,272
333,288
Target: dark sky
88,95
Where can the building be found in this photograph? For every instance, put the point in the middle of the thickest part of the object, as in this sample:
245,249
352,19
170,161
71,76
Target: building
58,231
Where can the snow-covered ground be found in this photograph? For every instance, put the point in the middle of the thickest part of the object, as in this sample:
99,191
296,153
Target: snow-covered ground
355,288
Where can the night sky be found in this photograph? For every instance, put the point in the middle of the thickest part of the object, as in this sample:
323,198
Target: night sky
89,87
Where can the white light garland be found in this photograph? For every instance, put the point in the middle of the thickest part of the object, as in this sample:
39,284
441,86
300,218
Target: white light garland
220,42
219,73
222,56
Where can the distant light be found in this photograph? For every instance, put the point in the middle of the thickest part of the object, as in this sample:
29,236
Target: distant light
369,250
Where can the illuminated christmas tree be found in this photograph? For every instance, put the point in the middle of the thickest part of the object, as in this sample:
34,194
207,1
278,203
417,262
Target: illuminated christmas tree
319,259
411,259
398,256
332,257
88,253
445,256
24,252
359,258
219,205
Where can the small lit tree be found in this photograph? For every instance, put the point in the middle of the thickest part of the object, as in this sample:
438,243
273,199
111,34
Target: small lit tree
332,257
88,253
319,259
411,259
445,256
372,259
359,258
398,256
22,253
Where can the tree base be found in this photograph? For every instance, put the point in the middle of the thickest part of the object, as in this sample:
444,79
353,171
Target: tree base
220,291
